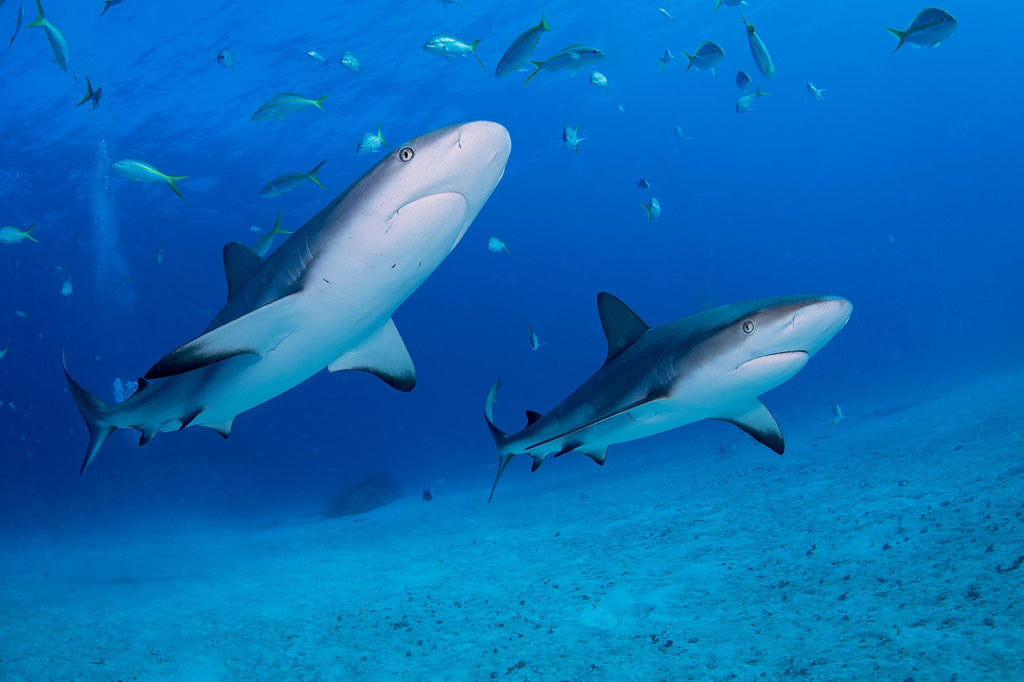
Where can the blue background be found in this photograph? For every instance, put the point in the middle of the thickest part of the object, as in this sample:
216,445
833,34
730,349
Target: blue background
901,191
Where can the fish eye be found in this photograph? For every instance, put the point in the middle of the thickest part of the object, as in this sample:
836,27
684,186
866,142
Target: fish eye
405,154
748,327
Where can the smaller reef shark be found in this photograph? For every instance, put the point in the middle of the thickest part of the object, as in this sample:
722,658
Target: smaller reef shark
711,365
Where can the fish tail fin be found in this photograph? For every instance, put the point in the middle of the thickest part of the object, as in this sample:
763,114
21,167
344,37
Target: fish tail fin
902,35
497,434
381,135
313,176
690,59
105,8
537,66
277,225
544,25
28,233
88,92
718,4
649,210
40,17
318,102
94,412
172,182
761,93
472,47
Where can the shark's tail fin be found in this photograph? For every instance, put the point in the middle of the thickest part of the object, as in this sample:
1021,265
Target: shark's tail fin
497,434
94,412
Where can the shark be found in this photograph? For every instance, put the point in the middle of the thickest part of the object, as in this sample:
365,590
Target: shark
325,297
711,365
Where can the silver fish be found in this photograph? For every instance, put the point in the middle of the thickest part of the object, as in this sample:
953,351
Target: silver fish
930,27
521,49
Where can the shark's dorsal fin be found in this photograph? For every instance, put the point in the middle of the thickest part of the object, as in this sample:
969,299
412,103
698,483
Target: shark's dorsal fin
255,333
760,424
383,354
239,263
622,327
652,397
532,417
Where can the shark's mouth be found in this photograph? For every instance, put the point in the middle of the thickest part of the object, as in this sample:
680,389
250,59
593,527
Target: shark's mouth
779,360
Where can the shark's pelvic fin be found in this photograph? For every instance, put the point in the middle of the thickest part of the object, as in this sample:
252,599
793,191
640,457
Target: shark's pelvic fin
652,397
239,263
532,417
383,354
94,413
622,327
760,424
223,429
146,435
599,455
256,333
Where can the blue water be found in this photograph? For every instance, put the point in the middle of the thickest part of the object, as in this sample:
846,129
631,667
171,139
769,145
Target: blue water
901,192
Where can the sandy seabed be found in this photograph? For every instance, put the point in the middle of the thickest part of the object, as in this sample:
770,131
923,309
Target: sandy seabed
890,548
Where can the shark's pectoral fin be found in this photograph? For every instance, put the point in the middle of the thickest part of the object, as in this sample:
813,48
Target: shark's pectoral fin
651,397
256,333
239,263
383,354
760,424
622,327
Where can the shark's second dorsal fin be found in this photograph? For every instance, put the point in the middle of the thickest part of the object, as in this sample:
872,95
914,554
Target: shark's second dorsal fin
532,417
239,263
383,354
622,327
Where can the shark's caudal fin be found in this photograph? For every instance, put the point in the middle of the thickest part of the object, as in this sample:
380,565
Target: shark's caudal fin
497,434
94,412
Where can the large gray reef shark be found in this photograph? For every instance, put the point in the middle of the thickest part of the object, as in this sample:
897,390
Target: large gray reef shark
712,365
325,297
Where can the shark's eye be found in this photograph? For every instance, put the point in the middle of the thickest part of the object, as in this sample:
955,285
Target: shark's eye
406,153
748,327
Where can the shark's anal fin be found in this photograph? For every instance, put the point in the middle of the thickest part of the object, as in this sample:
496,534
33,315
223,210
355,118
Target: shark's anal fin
652,397
622,327
189,418
256,333
383,354
239,263
757,421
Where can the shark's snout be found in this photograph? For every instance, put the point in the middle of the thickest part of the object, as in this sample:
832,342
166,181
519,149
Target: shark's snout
488,141
817,322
